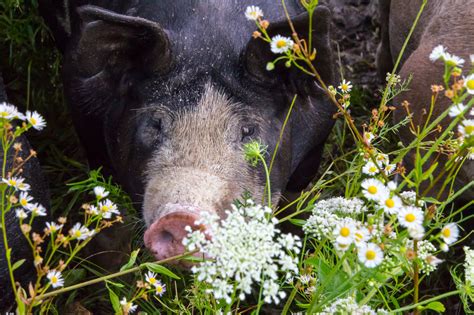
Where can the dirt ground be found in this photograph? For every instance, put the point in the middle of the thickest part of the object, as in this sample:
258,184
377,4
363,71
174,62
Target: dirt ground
355,36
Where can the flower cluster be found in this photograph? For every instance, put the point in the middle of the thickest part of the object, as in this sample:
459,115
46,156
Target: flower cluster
469,266
32,119
350,306
342,93
245,248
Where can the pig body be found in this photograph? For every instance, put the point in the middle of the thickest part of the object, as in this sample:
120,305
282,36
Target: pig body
443,22
165,94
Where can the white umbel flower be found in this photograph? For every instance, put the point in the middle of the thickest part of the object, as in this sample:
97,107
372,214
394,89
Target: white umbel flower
281,44
253,13
374,189
55,278
450,233
370,255
36,120
469,266
437,53
410,216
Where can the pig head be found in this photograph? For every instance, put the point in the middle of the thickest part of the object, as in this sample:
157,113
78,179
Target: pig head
164,96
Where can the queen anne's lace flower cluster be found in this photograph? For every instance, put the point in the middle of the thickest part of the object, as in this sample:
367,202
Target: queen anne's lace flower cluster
469,265
350,306
245,248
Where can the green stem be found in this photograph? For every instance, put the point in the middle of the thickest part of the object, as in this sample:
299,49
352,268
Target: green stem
107,277
433,299
267,185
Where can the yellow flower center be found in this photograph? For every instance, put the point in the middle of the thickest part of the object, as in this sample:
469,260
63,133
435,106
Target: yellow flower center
469,129
159,289
152,280
281,43
372,169
344,87
446,232
104,208
33,121
372,190
358,236
23,202
410,217
13,182
390,203
54,279
4,114
370,254
470,84
78,233
345,231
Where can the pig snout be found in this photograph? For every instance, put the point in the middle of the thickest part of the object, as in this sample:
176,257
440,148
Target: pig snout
164,237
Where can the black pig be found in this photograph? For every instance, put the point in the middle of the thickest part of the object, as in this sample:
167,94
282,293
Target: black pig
165,93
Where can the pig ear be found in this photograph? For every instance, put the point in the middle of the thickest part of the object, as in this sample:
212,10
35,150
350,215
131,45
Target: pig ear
120,43
258,53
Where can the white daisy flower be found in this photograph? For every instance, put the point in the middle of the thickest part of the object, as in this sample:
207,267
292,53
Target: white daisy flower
345,86
21,214
107,208
253,13
9,112
341,247
160,288
370,168
456,109
37,210
450,233
344,232
416,232
361,236
55,278
150,277
24,200
382,159
100,192
128,307
53,227
93,210
438,52
80,232
281,44
368,136
389,168
36,120
391,205
370,255
410,216
17,183
374,189
453,60
466,128
469,83
392,186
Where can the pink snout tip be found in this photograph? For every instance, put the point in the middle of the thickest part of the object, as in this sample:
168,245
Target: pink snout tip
164,238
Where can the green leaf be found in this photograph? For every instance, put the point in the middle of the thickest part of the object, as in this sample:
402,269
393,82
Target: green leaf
118,285
298,222
131,261
18,264
436,306
114,300
430,171
161,270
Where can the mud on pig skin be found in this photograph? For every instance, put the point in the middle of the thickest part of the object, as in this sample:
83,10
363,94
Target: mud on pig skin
165,94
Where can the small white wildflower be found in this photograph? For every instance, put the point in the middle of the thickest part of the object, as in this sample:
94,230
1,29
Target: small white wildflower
94,210
391,205
160,288
382,159
344,232
9,112
349,306
434,261
17,183
370,168
107,208
21,214
456,109
453,60
466,128
416,232
305,279
25,199
450,233
128,307
469,266
370,255
100,192
361,236
389,168
374,189
253,13
368,136
37,209
80,232
281,44
410,216
36,120
53,227
345,86
444,247
438,52
55,278
150,277
392,186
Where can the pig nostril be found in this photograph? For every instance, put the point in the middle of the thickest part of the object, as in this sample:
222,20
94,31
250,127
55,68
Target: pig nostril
165,237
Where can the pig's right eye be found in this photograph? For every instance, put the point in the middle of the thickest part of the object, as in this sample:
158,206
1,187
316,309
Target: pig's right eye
150,133
247,132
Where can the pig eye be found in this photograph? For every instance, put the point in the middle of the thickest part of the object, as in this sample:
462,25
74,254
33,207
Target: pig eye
247,131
